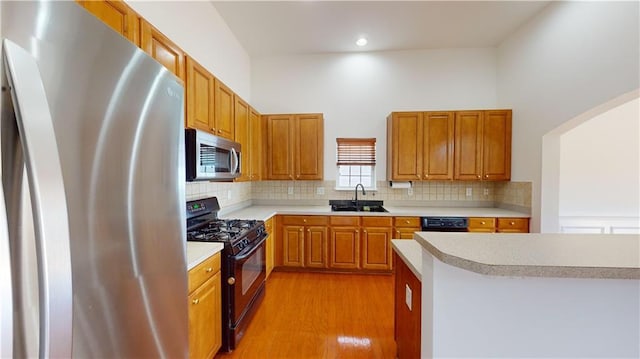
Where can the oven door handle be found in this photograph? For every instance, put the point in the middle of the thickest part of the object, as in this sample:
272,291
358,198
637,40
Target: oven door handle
255,248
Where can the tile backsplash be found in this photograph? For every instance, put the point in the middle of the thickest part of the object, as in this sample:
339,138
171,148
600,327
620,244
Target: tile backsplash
512,195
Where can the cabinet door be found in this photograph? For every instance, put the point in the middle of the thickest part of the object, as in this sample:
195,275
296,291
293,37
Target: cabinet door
345,248
293,246
407,331
376,248
205,316
316,247
117,15
199,96
224,110
162,49
280,147
270,257
241,114
437,145
404,146
496,145
468,145
309,147
255,145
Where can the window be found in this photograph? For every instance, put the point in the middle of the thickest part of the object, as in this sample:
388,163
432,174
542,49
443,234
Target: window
356,160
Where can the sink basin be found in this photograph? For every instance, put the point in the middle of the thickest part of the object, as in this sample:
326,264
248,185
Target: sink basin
353,206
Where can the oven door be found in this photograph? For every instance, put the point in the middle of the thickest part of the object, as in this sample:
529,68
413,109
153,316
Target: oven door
250,273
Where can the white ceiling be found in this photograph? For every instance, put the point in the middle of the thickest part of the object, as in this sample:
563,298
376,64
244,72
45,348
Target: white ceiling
300,27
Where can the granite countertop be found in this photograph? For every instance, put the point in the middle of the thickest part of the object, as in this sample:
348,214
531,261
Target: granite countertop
199,251
410,252
265,212
538,254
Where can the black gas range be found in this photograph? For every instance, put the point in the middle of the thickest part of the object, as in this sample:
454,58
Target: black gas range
243,264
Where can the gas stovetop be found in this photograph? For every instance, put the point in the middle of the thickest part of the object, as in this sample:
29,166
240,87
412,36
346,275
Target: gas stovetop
236,234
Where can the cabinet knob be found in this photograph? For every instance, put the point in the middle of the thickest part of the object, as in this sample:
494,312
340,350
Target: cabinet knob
357,231
308,230
301,229
365,231
219,131
398,233
486,176
426,176
209,270
304,220
195,301
418,176
298,176
512,223
483,222
231,281
290,177
407,221
477,176
213,129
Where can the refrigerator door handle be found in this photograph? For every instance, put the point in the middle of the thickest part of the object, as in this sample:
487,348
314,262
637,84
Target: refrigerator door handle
48,201
6,301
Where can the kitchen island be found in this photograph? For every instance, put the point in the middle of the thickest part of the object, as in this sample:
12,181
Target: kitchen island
530,295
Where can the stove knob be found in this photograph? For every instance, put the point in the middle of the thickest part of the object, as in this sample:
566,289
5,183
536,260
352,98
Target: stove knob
231,281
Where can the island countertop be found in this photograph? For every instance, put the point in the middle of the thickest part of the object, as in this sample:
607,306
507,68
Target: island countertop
538,254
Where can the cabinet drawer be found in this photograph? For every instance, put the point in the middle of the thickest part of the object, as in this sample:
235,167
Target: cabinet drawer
345,221
482,224
406,221
513,225
203,271
304,220
377,221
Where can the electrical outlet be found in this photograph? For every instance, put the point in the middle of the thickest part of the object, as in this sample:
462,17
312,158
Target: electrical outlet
290,190
408,296
486,191
320,190
409,191
469,192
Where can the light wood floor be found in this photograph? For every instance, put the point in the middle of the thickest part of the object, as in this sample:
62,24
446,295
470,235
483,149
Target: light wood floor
318,315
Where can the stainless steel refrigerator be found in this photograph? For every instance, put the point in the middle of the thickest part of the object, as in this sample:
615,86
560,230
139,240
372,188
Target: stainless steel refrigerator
92,207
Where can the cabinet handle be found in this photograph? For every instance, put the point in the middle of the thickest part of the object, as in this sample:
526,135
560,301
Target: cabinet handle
209,270
195,301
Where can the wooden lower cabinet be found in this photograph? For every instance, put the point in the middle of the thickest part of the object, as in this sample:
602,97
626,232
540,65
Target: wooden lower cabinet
407,332
293,246
404,227
376,243
345,248
501,225
270,245
205,311
304,241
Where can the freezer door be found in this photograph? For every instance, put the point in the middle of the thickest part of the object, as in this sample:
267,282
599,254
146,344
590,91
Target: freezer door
118,119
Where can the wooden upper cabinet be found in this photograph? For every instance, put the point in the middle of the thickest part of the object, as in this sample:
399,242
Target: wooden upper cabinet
295,147
255,145
496,145
117,15
241,114
483,145
199,88
420,146
158,46
468,145
224,106
280,146
437,145
404,146
309,154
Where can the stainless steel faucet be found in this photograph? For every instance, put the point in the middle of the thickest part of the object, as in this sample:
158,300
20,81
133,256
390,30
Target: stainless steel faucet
363,192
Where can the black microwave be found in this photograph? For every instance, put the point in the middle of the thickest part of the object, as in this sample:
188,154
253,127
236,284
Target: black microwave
211,158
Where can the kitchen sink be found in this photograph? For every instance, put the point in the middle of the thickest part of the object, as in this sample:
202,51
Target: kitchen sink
356,206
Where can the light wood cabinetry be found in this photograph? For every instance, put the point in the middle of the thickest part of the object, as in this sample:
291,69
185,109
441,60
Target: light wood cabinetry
502,224
270,245
224,106
304,241
242,135
483,145
205,311
255,145
200,99
407,331
420,146
344,242
161,48
117,15
376,243
513,225
294,147
404,227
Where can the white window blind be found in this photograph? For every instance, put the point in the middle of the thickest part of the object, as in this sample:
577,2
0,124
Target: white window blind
356,160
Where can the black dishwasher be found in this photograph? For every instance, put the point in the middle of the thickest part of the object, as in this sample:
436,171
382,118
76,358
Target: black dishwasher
444,224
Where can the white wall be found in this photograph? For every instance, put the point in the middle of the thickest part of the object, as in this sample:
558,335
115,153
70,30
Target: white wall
357,91
570,58
599,165
196,26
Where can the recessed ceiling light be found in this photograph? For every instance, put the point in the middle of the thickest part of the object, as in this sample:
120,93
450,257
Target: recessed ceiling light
361,41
